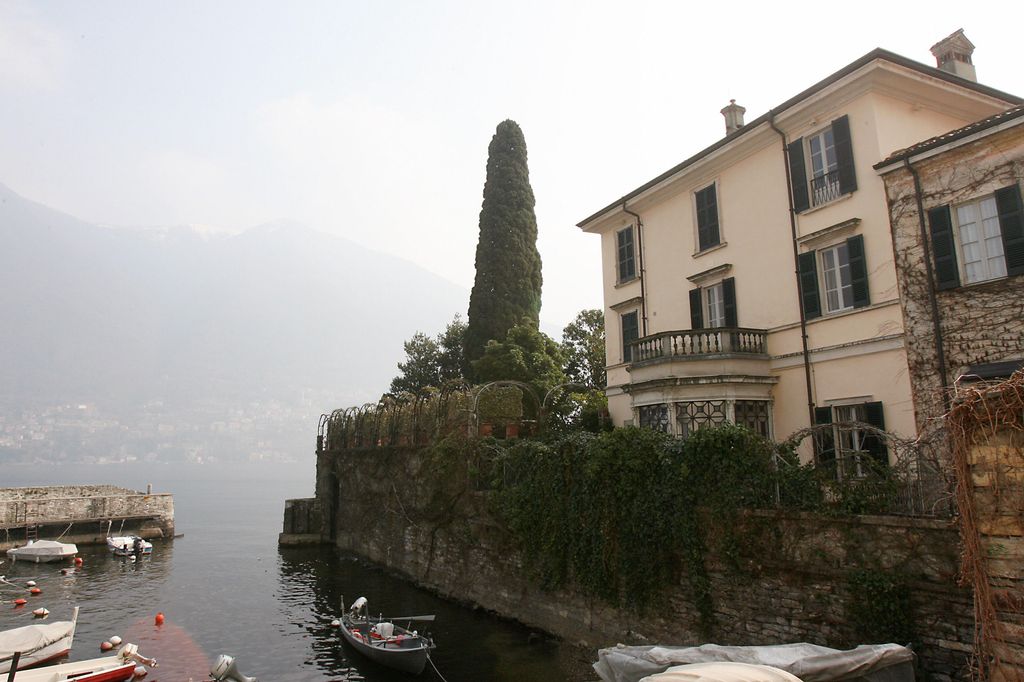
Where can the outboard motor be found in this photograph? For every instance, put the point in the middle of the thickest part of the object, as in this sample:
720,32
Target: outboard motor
224,668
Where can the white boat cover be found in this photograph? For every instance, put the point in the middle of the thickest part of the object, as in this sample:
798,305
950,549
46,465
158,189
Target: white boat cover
809,662
32,638
722,672
44,548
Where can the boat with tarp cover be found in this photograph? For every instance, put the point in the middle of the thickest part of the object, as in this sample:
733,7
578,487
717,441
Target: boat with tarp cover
43,551
37,643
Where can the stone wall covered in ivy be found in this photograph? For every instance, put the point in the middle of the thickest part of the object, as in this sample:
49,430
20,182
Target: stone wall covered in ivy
589,548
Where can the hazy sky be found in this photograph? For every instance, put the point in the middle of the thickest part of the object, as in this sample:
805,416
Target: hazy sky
371,119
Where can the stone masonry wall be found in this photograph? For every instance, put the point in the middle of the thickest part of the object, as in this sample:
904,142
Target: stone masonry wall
84,514
997,472
792,583
980,323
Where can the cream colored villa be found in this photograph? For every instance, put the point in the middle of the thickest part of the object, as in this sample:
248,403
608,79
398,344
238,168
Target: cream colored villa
755,281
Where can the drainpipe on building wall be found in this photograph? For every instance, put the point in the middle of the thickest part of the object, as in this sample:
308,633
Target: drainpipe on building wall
932,299
796,265
640,257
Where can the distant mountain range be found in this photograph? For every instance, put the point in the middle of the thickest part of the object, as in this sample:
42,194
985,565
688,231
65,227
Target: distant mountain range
91,313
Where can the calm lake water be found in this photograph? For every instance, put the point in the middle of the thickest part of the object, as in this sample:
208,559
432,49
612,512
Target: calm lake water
226,587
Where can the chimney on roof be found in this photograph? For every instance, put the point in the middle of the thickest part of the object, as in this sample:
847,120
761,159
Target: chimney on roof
733,117
953,54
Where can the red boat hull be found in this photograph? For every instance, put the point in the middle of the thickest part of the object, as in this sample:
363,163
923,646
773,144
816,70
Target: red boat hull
119,674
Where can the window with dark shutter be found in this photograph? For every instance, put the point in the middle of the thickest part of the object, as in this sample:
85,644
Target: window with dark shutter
858,270
630,333
824,439
696,309
1011,225
798,176
874,443
809,285
729,295
626,255
844,154
947,276
707,218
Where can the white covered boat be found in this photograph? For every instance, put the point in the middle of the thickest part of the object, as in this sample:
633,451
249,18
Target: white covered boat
808,662
37,643
43,551
123,545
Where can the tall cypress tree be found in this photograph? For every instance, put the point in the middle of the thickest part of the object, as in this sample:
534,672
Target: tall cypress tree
506,291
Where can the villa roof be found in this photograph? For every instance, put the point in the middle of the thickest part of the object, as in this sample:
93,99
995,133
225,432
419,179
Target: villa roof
875,54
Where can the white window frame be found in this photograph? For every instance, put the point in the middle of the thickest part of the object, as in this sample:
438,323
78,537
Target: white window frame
829,165
987,260
713,302
842,290
850,441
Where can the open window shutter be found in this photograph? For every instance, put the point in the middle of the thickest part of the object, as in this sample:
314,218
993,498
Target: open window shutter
1011,224
729,299
844,154
874,415
809,285
943,248
696,310
858,270
798,176
824,439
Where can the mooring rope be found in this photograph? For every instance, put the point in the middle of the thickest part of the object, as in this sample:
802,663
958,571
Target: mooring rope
431,661
66,530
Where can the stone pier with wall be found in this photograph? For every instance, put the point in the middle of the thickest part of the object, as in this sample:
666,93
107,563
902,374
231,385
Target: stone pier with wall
82,514
302,522
794,580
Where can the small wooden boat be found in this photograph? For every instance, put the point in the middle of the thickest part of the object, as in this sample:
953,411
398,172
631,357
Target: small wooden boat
42,551
380,640
37,643
117,668
125,545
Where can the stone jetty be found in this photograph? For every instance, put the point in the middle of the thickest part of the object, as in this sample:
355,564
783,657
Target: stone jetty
82,514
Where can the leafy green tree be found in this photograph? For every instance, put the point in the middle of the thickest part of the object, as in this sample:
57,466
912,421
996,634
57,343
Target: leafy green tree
420,368
583,347
431,362
507,288
451,345
526,355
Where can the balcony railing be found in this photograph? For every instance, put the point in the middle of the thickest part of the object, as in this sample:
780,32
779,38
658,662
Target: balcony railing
825,188
698,342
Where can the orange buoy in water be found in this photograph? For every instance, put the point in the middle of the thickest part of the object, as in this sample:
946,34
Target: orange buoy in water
35,590
78,561
159,620
20,602
106,646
